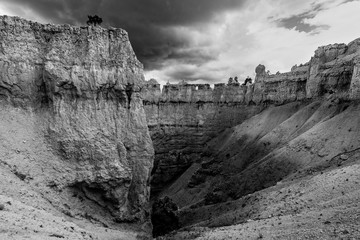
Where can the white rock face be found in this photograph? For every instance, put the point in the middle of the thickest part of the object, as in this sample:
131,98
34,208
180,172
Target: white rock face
82,86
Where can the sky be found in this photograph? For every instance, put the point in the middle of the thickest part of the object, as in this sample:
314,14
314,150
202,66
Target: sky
208,41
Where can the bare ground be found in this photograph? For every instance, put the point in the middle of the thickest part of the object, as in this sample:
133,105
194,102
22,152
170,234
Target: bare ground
321,205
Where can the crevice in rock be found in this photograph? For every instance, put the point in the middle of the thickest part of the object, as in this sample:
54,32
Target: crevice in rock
164,216
95,193
129,91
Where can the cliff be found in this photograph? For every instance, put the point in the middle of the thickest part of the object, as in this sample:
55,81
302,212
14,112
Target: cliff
333,69
182,118
86,147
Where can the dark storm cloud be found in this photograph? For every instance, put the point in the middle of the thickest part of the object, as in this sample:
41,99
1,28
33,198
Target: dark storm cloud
146,21
193,56
186,74
192,73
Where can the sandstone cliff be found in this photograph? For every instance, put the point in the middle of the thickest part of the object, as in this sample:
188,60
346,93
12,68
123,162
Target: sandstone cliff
86,147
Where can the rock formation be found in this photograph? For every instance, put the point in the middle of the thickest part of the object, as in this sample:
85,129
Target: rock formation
182,118
76,117
220,153
80,89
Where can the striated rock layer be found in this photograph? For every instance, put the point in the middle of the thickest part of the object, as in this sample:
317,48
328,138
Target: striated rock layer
79,87
182,118
181,121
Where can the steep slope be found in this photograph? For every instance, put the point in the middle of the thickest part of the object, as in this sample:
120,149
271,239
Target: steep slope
321,205
304,155
73,127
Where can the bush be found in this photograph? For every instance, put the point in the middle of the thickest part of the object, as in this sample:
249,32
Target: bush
94,20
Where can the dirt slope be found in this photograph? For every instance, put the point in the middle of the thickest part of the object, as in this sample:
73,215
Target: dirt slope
26,159
324,205
290,172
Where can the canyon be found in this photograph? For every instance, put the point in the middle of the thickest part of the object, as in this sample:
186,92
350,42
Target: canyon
216,146
87,145
183,117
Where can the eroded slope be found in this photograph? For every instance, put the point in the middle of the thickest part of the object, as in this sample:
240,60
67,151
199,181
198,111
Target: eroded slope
304,156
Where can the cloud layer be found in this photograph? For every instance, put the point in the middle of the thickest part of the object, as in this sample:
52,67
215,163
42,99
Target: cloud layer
209,40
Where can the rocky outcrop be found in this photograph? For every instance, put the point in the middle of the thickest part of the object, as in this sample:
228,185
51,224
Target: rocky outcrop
355,81
82,87
354,52
330,70
281,87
